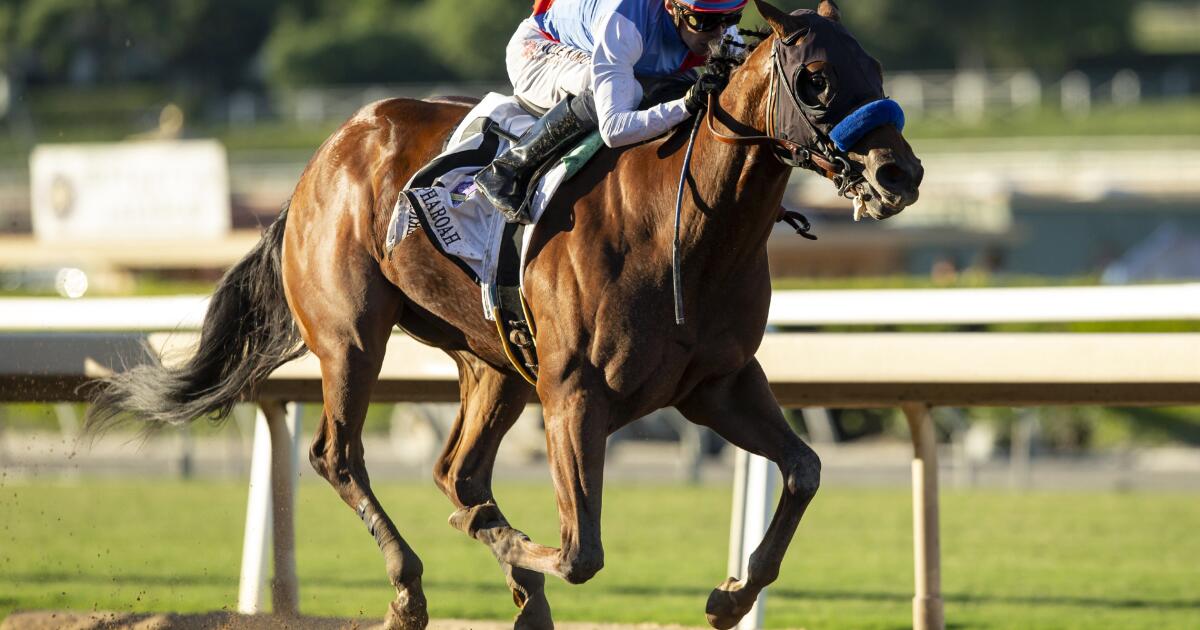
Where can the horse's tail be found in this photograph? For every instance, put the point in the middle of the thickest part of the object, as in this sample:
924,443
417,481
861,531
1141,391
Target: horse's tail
247,332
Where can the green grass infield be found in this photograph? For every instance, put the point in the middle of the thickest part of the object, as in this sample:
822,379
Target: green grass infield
1039,560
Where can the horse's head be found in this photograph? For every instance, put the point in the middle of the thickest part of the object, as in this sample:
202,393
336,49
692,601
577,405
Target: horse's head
827,110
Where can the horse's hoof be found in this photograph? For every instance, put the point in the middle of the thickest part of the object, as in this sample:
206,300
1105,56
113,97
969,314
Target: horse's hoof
472,519
407,612
724,609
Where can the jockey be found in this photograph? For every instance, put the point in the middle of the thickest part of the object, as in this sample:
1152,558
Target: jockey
583,63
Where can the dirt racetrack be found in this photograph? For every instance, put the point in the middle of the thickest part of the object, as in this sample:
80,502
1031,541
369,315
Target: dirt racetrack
61,620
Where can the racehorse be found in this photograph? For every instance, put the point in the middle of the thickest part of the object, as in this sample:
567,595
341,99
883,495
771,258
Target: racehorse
599,284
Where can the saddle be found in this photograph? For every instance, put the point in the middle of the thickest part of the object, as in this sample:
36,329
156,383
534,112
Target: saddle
467,230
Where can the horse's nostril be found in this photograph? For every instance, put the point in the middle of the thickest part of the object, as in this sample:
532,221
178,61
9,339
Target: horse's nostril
892,177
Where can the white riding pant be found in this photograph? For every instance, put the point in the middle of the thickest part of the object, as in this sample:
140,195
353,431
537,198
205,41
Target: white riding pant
544,72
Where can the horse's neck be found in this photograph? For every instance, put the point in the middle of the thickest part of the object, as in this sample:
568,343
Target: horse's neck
739,186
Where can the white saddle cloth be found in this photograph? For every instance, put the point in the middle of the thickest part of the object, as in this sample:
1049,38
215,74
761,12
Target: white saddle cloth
459,221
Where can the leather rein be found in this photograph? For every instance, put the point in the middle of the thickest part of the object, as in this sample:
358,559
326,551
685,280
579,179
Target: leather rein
829,161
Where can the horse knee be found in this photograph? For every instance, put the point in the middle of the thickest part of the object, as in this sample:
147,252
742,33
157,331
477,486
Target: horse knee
581,564
803,475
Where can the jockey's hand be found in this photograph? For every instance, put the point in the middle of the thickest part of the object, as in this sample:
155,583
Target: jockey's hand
697,97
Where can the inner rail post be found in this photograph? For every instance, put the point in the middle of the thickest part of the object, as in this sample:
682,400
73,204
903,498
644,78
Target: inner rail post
269,512
928,613
283,420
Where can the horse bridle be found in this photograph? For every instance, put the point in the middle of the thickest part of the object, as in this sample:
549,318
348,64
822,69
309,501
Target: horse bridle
824,158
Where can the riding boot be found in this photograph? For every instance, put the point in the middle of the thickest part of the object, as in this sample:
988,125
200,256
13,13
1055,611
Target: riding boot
505,181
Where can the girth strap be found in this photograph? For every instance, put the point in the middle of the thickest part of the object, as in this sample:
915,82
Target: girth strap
514,324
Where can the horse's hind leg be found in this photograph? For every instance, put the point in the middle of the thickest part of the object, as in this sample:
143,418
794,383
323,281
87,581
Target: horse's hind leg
346,323
741,408
491,403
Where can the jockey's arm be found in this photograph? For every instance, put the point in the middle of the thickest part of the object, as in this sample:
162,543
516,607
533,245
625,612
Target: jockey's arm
617,91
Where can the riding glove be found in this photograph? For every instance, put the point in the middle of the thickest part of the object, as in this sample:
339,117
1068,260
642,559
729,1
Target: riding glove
697,96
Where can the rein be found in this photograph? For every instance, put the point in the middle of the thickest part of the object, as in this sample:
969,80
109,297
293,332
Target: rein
832,163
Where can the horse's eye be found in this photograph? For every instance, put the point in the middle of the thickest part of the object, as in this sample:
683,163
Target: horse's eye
811,88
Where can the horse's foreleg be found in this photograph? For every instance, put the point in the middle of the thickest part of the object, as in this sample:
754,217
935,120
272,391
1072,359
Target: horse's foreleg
741,408
576,428
491,403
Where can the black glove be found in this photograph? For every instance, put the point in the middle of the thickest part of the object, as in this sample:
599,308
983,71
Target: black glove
697,96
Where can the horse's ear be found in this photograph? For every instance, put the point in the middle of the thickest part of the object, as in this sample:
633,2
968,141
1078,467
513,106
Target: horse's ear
829,10
775,18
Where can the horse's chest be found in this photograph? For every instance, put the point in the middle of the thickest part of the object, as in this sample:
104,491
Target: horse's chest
718,354
658,372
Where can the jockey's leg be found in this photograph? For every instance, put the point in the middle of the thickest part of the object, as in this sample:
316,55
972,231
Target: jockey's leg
546,75
544,72
505,180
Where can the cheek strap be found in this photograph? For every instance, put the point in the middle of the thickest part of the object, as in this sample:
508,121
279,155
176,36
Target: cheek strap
870,116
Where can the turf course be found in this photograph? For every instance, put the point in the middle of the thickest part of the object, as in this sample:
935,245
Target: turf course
1010,561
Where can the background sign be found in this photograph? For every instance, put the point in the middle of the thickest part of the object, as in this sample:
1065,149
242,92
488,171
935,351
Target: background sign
156,190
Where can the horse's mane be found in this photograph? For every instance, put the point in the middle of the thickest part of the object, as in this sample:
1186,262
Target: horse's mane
759,35
724,61
728,56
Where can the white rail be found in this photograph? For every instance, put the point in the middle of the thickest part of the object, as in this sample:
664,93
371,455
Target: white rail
986,306
102,314
788,308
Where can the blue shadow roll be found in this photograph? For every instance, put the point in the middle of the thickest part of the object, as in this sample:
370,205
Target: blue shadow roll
874,114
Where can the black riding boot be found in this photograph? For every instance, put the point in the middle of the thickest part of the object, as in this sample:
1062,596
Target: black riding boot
505,180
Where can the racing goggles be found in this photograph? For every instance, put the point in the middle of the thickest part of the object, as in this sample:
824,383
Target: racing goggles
703,22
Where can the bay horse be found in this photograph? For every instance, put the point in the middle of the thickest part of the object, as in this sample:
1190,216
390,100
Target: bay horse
599,285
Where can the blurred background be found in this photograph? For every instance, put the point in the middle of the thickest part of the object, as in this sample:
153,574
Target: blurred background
145,143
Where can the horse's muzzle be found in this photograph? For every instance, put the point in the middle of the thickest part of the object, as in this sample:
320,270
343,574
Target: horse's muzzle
894,180
893,173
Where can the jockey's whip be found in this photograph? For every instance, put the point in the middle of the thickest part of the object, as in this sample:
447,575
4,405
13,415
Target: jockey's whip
722,62
676,278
